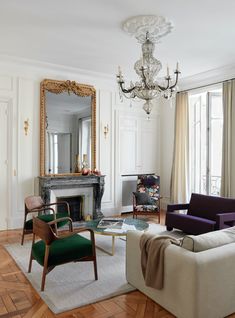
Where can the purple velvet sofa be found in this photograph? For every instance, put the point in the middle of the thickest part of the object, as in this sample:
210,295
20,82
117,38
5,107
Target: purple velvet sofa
205,214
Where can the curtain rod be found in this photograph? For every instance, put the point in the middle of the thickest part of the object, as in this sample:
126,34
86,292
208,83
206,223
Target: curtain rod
191,89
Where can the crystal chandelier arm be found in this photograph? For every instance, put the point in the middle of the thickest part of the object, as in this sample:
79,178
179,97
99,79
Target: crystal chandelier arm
125,90
162,88
176,79
168,78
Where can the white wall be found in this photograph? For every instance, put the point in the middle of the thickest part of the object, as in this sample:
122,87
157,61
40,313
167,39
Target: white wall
19,86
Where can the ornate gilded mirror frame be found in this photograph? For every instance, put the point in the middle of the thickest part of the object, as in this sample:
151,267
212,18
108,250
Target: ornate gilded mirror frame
58,87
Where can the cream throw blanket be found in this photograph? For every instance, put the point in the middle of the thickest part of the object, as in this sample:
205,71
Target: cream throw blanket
152,257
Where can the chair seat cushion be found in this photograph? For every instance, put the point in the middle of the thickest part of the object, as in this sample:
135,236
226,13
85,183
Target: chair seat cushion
63,250
146,208
189,224
47,218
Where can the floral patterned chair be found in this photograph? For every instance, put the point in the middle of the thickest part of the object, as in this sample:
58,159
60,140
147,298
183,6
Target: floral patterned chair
146,200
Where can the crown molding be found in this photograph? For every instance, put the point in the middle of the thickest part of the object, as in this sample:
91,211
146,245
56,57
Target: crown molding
34,68
209,77
40,68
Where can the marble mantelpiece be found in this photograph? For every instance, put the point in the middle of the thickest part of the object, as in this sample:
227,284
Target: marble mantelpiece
50,183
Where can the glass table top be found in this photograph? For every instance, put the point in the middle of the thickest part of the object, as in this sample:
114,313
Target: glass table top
128,224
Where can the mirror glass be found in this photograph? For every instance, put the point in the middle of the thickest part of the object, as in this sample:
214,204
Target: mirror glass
68,125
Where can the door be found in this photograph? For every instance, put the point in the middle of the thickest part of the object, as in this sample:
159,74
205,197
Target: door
3,165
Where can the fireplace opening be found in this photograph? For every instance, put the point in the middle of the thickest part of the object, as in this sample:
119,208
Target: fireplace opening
75,205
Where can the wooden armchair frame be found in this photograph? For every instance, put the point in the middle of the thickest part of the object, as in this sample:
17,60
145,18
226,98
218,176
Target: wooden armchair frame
46,233
41,209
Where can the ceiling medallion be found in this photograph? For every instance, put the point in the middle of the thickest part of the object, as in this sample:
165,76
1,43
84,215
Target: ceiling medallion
156,26
148,30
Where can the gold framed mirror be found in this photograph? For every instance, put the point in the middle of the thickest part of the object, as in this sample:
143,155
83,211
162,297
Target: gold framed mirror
67,127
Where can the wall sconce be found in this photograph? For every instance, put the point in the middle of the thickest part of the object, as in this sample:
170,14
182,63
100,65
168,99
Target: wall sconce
26,126
106,130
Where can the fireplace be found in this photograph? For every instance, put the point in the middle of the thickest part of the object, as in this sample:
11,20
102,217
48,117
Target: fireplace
91,188
75,205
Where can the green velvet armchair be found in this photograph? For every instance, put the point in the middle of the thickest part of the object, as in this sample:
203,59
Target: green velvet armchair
52,250
35,204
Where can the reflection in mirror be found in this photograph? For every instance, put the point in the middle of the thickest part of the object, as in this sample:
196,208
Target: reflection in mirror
67,129
58,148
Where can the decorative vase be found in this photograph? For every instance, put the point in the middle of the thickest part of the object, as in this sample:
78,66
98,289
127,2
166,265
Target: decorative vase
77,164
84,162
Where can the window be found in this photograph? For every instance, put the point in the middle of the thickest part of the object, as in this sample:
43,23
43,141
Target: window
85,138
205,141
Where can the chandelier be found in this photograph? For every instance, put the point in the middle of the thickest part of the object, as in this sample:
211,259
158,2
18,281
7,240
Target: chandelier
148,30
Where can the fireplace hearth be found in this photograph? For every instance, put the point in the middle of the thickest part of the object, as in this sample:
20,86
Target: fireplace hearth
53,187
75,205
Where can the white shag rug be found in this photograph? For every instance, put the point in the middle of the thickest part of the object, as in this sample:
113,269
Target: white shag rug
73,285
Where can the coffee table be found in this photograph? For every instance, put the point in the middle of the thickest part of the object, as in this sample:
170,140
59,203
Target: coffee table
128,224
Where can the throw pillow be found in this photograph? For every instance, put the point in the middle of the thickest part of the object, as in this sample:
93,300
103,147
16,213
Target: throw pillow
142,198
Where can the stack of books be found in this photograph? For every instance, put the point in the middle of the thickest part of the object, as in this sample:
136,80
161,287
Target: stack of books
114,223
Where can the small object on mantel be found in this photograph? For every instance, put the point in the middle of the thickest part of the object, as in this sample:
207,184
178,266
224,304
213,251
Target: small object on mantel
88,217
77,164
88,172
85,171
96,172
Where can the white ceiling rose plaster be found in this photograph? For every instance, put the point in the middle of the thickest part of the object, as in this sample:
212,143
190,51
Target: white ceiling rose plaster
156,26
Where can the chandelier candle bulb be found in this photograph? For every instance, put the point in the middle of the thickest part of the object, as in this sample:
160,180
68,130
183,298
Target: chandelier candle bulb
177,66
167,71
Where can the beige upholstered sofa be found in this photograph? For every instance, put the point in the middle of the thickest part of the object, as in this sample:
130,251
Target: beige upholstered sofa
196,284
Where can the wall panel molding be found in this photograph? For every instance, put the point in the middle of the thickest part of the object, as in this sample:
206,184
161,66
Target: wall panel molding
6,83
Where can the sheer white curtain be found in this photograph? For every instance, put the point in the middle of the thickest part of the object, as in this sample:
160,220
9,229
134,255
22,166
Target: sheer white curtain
228,154
180,166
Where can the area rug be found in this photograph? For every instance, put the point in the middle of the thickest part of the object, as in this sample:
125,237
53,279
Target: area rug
72,285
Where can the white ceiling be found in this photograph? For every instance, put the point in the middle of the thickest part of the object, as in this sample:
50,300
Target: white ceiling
87,34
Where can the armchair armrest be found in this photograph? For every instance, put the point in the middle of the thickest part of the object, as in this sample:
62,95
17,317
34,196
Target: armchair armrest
173,207
222,218
40,210
61,220
59,203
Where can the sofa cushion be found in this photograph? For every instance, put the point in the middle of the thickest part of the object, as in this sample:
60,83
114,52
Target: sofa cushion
207,207
209,240
189,224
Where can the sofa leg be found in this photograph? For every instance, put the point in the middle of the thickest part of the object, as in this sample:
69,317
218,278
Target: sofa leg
169,228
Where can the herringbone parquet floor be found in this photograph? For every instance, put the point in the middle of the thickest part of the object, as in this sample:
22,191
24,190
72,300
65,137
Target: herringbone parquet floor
18,299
